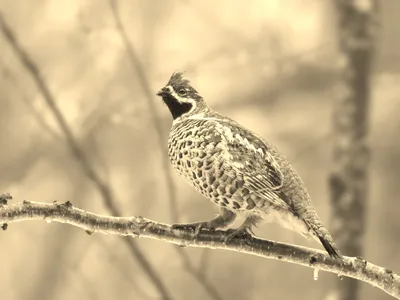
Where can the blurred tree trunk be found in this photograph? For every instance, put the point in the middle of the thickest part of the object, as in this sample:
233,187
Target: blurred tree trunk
349,180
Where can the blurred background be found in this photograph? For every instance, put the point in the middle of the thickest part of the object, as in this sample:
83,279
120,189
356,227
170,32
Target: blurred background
79,121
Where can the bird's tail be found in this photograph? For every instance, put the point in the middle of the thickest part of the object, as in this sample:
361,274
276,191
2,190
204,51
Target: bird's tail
330,247
322,234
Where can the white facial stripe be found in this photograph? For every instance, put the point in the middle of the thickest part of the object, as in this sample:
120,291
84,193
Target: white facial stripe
179,98
174,94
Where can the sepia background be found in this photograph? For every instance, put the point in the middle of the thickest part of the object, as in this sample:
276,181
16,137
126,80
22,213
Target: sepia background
84,125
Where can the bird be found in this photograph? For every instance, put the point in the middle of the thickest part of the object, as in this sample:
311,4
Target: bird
236,169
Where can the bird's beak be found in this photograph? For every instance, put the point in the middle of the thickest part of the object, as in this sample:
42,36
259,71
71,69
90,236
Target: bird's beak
164,91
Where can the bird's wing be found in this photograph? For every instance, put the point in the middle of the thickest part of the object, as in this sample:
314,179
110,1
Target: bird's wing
251,159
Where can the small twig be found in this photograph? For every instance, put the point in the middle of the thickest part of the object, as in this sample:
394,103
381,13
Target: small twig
357,268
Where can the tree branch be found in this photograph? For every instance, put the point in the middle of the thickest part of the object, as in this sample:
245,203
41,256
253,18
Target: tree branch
357,268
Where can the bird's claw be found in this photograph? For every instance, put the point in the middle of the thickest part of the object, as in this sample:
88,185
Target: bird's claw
191,227
242,232
197,227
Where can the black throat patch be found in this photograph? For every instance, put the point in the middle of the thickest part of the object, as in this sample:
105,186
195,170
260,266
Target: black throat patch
176,108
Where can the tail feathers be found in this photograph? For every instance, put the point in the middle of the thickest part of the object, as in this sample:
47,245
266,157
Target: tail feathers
317,229
330,247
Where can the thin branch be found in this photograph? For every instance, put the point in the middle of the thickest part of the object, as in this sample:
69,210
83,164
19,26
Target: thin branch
78,153
357,268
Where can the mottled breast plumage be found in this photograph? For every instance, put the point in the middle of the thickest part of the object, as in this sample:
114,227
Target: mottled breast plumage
194,150
226,163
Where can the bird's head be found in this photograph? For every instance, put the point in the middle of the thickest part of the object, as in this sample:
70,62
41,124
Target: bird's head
181,98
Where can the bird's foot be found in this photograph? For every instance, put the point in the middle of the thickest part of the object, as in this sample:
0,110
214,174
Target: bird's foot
244,232
196,227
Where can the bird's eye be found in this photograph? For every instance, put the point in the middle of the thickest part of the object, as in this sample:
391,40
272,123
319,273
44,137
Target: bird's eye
182,92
